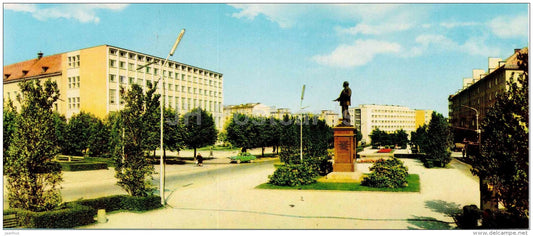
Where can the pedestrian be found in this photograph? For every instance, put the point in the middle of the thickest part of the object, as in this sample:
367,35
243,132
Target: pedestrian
199,159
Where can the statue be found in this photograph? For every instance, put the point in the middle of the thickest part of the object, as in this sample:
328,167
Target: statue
344,100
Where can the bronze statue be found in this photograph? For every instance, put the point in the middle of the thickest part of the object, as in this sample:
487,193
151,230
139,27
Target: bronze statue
345,100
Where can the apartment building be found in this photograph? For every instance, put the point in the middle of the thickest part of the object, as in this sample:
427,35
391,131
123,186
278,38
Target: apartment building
90,80
480,95
331,118
388,118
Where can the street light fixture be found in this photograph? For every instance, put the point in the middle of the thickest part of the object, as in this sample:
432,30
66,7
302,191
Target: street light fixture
161,104
478,131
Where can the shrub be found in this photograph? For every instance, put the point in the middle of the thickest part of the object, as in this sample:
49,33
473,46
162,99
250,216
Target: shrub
321,165
68,216
122,202
79,166
293,175
390,173
468,218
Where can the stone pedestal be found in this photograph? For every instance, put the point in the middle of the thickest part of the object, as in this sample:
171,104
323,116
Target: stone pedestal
344,149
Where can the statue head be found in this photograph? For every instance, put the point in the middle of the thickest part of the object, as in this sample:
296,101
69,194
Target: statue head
345,84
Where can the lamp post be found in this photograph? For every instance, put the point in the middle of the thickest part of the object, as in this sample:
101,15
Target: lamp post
477,124
161,104
301,127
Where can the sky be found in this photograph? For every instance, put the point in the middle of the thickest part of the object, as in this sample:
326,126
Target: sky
413,54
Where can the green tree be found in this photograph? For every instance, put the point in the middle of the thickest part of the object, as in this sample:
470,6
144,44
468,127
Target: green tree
358,135
132,167
439,142
419,139
504,159
9,125
60,124
86,134
240,132
33,176
173,131
400,138
200,130
379,137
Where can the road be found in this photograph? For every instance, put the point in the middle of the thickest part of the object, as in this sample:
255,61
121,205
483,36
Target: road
98,183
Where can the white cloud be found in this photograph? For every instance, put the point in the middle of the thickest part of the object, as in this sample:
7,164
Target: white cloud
510,27
374,29
451,25
357,54
440,43
288,15
85,13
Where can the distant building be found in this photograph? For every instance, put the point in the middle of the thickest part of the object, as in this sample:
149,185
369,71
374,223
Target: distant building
331,118
422,117
90,80
280,112
481,95
249,109
386,118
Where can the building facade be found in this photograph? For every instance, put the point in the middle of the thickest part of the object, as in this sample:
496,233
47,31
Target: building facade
388,118
331,118
480,96
90,80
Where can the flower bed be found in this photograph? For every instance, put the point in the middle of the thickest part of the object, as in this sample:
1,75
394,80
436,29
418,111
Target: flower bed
385,150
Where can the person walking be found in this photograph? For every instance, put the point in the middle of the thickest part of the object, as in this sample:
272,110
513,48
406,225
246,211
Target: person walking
199,159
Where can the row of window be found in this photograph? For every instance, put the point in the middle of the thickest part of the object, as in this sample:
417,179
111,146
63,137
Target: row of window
395,127
393,116
170,87
73,103
393,121
193,79
74,82
186,103
73,61
131,66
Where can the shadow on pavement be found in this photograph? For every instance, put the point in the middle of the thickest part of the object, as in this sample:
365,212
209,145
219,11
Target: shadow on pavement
422,222
440,206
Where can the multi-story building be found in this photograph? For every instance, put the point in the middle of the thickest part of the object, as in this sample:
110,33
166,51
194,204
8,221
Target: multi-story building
388,118
90,80
480,95
280,112
331,118
249,109
422,117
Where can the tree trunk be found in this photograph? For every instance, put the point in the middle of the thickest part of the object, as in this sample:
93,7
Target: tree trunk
243,149
262,151
194,153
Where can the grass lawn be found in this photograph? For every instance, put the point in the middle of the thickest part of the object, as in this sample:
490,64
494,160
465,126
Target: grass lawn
413,181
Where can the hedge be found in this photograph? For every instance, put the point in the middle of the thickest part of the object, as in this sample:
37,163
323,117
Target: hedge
122,202
82,212
79,166
410,155
69,216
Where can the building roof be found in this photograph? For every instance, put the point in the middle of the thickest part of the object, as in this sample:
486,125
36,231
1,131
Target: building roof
512,61
37,67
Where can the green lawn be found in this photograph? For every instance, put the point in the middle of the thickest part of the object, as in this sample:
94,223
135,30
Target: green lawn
413,181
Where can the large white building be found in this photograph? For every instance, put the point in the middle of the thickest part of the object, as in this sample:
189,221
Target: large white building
388,118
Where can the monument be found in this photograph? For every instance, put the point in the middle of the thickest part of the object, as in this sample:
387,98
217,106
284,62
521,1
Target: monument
344,168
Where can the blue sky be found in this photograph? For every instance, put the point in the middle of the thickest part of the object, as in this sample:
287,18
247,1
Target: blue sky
414,55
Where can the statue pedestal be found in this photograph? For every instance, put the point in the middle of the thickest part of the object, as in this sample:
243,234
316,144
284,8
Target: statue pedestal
344,149
344,168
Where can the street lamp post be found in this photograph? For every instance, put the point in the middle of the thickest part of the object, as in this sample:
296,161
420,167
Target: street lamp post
161,80
301,126
477,124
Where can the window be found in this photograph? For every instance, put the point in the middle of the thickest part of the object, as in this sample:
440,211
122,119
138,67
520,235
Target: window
131,80
78,102
183,89
170,87
155,71
112,63
112,96
78,81
148,70
122,79
139,81
122,65
131,66
112,78
183,77
183,103
69,103
69,82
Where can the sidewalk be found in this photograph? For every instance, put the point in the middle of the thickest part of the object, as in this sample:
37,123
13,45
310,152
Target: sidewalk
233,203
